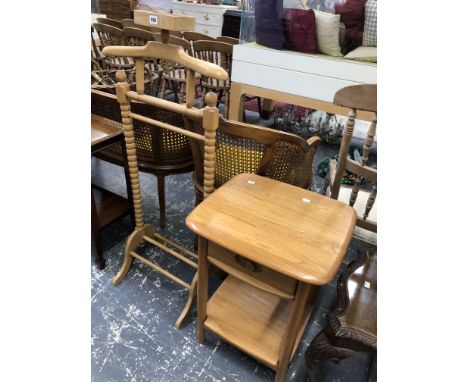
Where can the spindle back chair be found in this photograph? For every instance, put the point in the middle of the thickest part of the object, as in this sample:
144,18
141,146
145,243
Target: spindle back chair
218,53
363,98
111,36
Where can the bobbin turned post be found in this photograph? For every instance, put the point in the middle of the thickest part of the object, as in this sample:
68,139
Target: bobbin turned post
121,89
210,125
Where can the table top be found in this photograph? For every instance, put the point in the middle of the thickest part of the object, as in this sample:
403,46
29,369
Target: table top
104,132
294,231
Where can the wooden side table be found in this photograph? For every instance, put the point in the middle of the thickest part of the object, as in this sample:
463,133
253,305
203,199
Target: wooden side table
106,207
278,243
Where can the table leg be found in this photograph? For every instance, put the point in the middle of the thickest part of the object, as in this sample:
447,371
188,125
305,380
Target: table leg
236,102
96,231
267,108
202,289
295,320
127,181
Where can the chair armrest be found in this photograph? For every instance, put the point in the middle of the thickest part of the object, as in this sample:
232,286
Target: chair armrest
314,141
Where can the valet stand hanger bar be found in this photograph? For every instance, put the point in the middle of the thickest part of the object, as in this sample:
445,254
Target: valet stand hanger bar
209,115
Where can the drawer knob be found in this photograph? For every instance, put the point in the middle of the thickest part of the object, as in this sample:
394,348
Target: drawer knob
247,264
207,17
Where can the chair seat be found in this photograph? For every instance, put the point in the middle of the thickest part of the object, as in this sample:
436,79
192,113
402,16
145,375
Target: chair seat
360,207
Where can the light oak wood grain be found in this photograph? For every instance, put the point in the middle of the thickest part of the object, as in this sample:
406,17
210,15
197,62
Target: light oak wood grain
164,20
251,319
293,231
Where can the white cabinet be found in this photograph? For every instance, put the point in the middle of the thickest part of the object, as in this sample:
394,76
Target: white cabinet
208,18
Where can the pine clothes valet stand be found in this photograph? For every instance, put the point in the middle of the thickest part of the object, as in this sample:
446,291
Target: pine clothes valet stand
147,233
278,243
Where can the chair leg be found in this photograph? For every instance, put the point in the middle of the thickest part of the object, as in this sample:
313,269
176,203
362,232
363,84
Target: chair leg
175,88
162,200
96,231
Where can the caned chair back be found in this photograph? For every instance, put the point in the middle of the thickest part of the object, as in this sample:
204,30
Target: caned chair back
156,148
111,36
245,148
363,98
228,40
111,22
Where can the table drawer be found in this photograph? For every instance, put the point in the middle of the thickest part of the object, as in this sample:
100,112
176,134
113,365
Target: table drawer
250,272
202,17
208,30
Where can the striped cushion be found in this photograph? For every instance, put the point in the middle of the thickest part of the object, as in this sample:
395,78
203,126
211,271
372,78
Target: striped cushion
369,37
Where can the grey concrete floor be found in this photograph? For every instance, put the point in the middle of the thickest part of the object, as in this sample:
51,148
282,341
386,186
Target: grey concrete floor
133,333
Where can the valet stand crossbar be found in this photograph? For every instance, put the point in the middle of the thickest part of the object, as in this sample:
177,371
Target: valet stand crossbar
147,233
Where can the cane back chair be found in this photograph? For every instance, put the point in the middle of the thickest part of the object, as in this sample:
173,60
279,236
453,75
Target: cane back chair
244,148
219,53
364,98
160,152
210,116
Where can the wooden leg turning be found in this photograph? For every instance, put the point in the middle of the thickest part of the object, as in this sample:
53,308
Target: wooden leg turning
162,200
202,289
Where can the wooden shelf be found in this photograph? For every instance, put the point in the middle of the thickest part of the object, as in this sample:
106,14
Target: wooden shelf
251,319
109,206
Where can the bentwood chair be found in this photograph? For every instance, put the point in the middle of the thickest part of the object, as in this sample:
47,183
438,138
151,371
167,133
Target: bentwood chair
245,148
160,152
111,36
111,22
363,194
218,53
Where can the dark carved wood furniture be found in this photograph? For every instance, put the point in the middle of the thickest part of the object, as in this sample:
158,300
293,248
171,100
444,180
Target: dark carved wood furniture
353,324
278,243
160,152
357,98
106,206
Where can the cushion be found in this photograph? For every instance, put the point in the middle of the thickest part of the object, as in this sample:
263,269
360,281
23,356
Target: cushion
369,37
363,53
299,30
352,16
328,31
269,29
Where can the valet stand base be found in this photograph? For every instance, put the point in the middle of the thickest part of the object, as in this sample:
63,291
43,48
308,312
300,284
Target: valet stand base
149,234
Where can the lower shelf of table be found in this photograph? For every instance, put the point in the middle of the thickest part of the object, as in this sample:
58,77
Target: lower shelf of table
252,320
109,206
